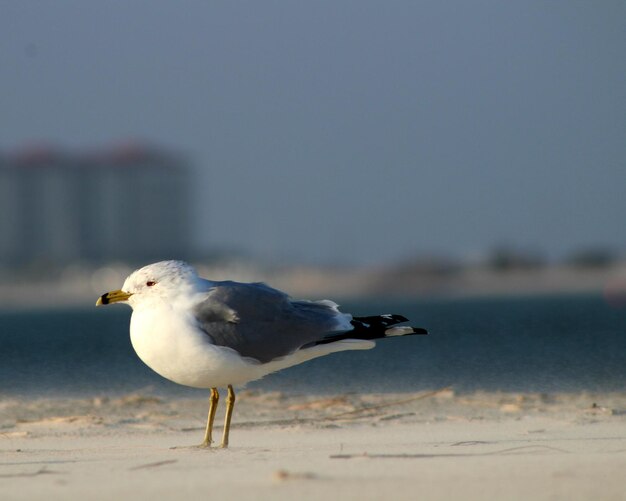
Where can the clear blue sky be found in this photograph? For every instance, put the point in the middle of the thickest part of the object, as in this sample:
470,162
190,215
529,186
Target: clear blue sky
352,131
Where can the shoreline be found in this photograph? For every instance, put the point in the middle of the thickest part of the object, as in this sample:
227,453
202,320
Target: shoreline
81,285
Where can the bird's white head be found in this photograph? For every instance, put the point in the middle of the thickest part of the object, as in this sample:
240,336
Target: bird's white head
158,281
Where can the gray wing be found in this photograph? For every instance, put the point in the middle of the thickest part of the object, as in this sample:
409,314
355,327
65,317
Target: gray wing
263,323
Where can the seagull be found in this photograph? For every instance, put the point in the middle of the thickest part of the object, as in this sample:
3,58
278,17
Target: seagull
215,334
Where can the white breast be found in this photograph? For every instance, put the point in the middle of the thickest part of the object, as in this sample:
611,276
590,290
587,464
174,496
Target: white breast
173,347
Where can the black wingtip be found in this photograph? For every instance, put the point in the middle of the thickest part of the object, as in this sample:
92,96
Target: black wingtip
398,318
419,330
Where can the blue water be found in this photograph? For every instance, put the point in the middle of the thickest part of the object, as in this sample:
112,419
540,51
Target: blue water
566,343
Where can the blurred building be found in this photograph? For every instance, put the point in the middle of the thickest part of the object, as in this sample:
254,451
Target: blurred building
130,203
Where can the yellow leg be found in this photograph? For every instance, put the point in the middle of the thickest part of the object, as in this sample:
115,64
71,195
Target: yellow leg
230,404
213,400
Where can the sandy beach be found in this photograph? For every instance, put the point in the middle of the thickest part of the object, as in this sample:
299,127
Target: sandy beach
430,445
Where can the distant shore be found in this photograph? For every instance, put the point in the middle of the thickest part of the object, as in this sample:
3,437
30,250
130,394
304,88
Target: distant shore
81,285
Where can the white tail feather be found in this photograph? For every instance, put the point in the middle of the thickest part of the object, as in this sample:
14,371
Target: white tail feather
398,331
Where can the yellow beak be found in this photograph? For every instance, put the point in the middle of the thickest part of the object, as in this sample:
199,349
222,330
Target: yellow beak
113,297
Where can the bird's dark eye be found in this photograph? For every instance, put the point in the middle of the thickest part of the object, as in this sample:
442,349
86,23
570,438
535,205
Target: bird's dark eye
150,283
